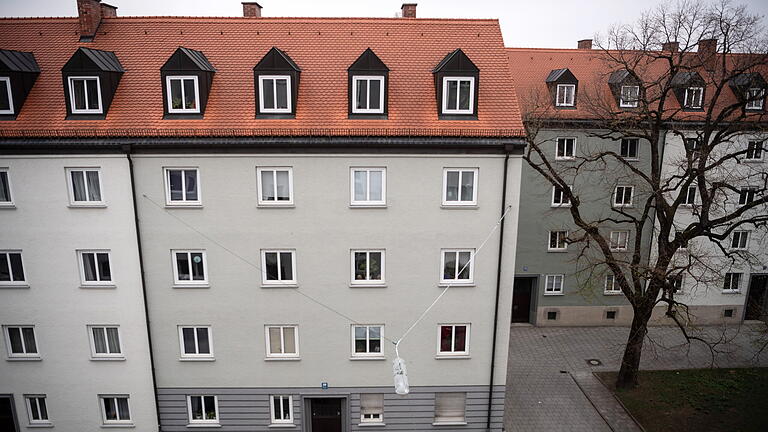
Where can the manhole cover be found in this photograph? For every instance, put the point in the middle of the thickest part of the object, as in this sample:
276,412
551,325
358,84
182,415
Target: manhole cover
594,362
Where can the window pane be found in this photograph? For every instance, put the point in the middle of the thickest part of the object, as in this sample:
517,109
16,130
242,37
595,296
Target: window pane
188,334
270,258
174,182
99,340
360,266
449,265
33,409
89,267
374,266
190,98
198,272
196,407
452,186
94,188
374,95
5,103
176,102
268,93
286,266
104,271
14,334
374,342
268,185
276,407
122,409
274,340
376,188
182,266
93,94
460,341
79,91
361,345
190,177
113,338
210,408
43,408
452,96
467,185
362,94
29,340
282,93
464,87
289,344
286,408
5,190
78,185
5,272
360,185
446,334
203,346
16,267
110,410
464,264
283,186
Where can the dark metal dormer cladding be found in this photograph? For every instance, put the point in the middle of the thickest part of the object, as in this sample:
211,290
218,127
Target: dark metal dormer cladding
276,79
563,88
688,87
751,90
626,88
18,73
368,87
457,81
187,77
90,80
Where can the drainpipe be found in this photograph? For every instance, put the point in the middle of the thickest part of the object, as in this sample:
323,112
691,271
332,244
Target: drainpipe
498,289
127,150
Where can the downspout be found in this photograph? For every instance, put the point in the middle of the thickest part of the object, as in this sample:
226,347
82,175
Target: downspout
498,289
127,150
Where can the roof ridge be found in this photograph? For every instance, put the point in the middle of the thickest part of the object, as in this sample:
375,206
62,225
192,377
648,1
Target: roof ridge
489,21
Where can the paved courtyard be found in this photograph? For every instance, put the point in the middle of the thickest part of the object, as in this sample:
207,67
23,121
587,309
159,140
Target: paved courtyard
549,377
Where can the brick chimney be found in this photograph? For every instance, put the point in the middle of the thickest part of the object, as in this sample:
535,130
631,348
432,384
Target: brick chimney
585,44
108,11
707,46
409,10
89,15
670,46
251,10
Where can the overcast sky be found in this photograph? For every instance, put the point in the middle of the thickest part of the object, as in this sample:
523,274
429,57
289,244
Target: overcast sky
525,23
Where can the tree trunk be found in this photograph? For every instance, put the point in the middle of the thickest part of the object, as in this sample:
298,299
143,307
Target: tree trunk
630,363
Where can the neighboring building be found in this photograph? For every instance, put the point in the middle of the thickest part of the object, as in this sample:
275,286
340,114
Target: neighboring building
288,174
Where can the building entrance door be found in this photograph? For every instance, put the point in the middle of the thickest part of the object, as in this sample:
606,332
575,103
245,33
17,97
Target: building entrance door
521,300
757,299
326,414
7,416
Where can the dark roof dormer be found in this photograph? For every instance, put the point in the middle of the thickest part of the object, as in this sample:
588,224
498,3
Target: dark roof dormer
563,88
276,79
457,81
750,88
688,87
90,80
368,87
18,73
626,88
187,77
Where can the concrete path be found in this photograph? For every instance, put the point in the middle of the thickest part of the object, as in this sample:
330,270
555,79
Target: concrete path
550,386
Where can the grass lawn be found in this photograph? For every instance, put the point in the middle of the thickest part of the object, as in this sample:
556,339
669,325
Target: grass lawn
701,400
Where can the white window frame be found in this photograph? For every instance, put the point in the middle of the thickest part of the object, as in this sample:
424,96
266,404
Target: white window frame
470,267
629,157
183,355
678,283
629,104
202,405
729,279
273,415
618,247
92,340
379,415
184,201
169,96
744,193
283,354
610,282
689,103
565,102
70,84
368,202
71,187
98,282
742,233
454,422
104,420
368,78
275,202
7,81
367,282
460,202
13,282
557,249
687,202
266,282
623,192
289,100
756,104
368,354
457,110
453,353
9,203
758,144
25,355
554,277
190,282
562,197
566,156
28,403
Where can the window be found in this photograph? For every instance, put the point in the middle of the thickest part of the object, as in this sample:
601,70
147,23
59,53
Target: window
453,340
450,407
105,342
6,96
553,284
622,196
282,341
196,342
690,196
611,287
459,186
611,314
278,267
371,408
203,409
754,151
728,313
755,97
275,186
678,282
740,240
557,241
559,198
732,281
95,268
747,195
693,145
182,186
368,186
281,409
368,94
694,97
275,94
630,95
5,188
551,315
367,267
566,148
619,240
183,94
85,95
115,410
21,341
566,95
37,410
84,186
189,267
458,266
458,95
629,148
11,268
367,340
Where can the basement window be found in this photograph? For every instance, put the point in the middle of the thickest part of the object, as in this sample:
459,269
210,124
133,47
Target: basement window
611,315
551,315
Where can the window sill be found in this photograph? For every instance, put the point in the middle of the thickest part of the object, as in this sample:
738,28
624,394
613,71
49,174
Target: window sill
7,206
557,250
100,205
608,293
560,205
105,286
40,425
269,286
197,359
265,205
372,424
14,286
553,294
630,159
190,286
278,425
452,357
282,358
459,206
371,358
125,425
373,285
622,206
730,292
751,161
184,206
204,425
367,206
444,284
122,358
565,159
22,359
449,423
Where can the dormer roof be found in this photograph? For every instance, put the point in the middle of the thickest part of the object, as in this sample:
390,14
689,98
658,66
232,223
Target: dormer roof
455,61
93,60
563,75
18,61
188,59
368,62
276,60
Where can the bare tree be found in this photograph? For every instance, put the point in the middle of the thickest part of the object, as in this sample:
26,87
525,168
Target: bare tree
690,204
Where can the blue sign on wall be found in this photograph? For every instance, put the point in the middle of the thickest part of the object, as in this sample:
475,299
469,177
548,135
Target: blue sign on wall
324,386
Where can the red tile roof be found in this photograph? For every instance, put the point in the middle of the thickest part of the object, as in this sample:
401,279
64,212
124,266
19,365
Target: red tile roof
323,47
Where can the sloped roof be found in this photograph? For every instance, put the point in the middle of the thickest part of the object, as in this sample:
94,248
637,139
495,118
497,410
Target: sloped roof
105,61
197,58
324,47
18,61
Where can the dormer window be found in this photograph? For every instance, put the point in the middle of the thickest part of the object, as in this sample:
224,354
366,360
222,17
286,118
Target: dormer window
276,78
688,88
275,94
457,81
566,95
755,99
84,95
750,89
6,98
630,94
18,73
184,94
91,78
694,97
367,94
562,85
458,95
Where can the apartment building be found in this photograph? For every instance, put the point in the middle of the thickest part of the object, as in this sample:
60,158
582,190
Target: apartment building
304,189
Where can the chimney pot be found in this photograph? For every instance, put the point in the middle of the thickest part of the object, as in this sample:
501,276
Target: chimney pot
707,46
251,10
409,10
89,13
585,44
672,46
108,11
